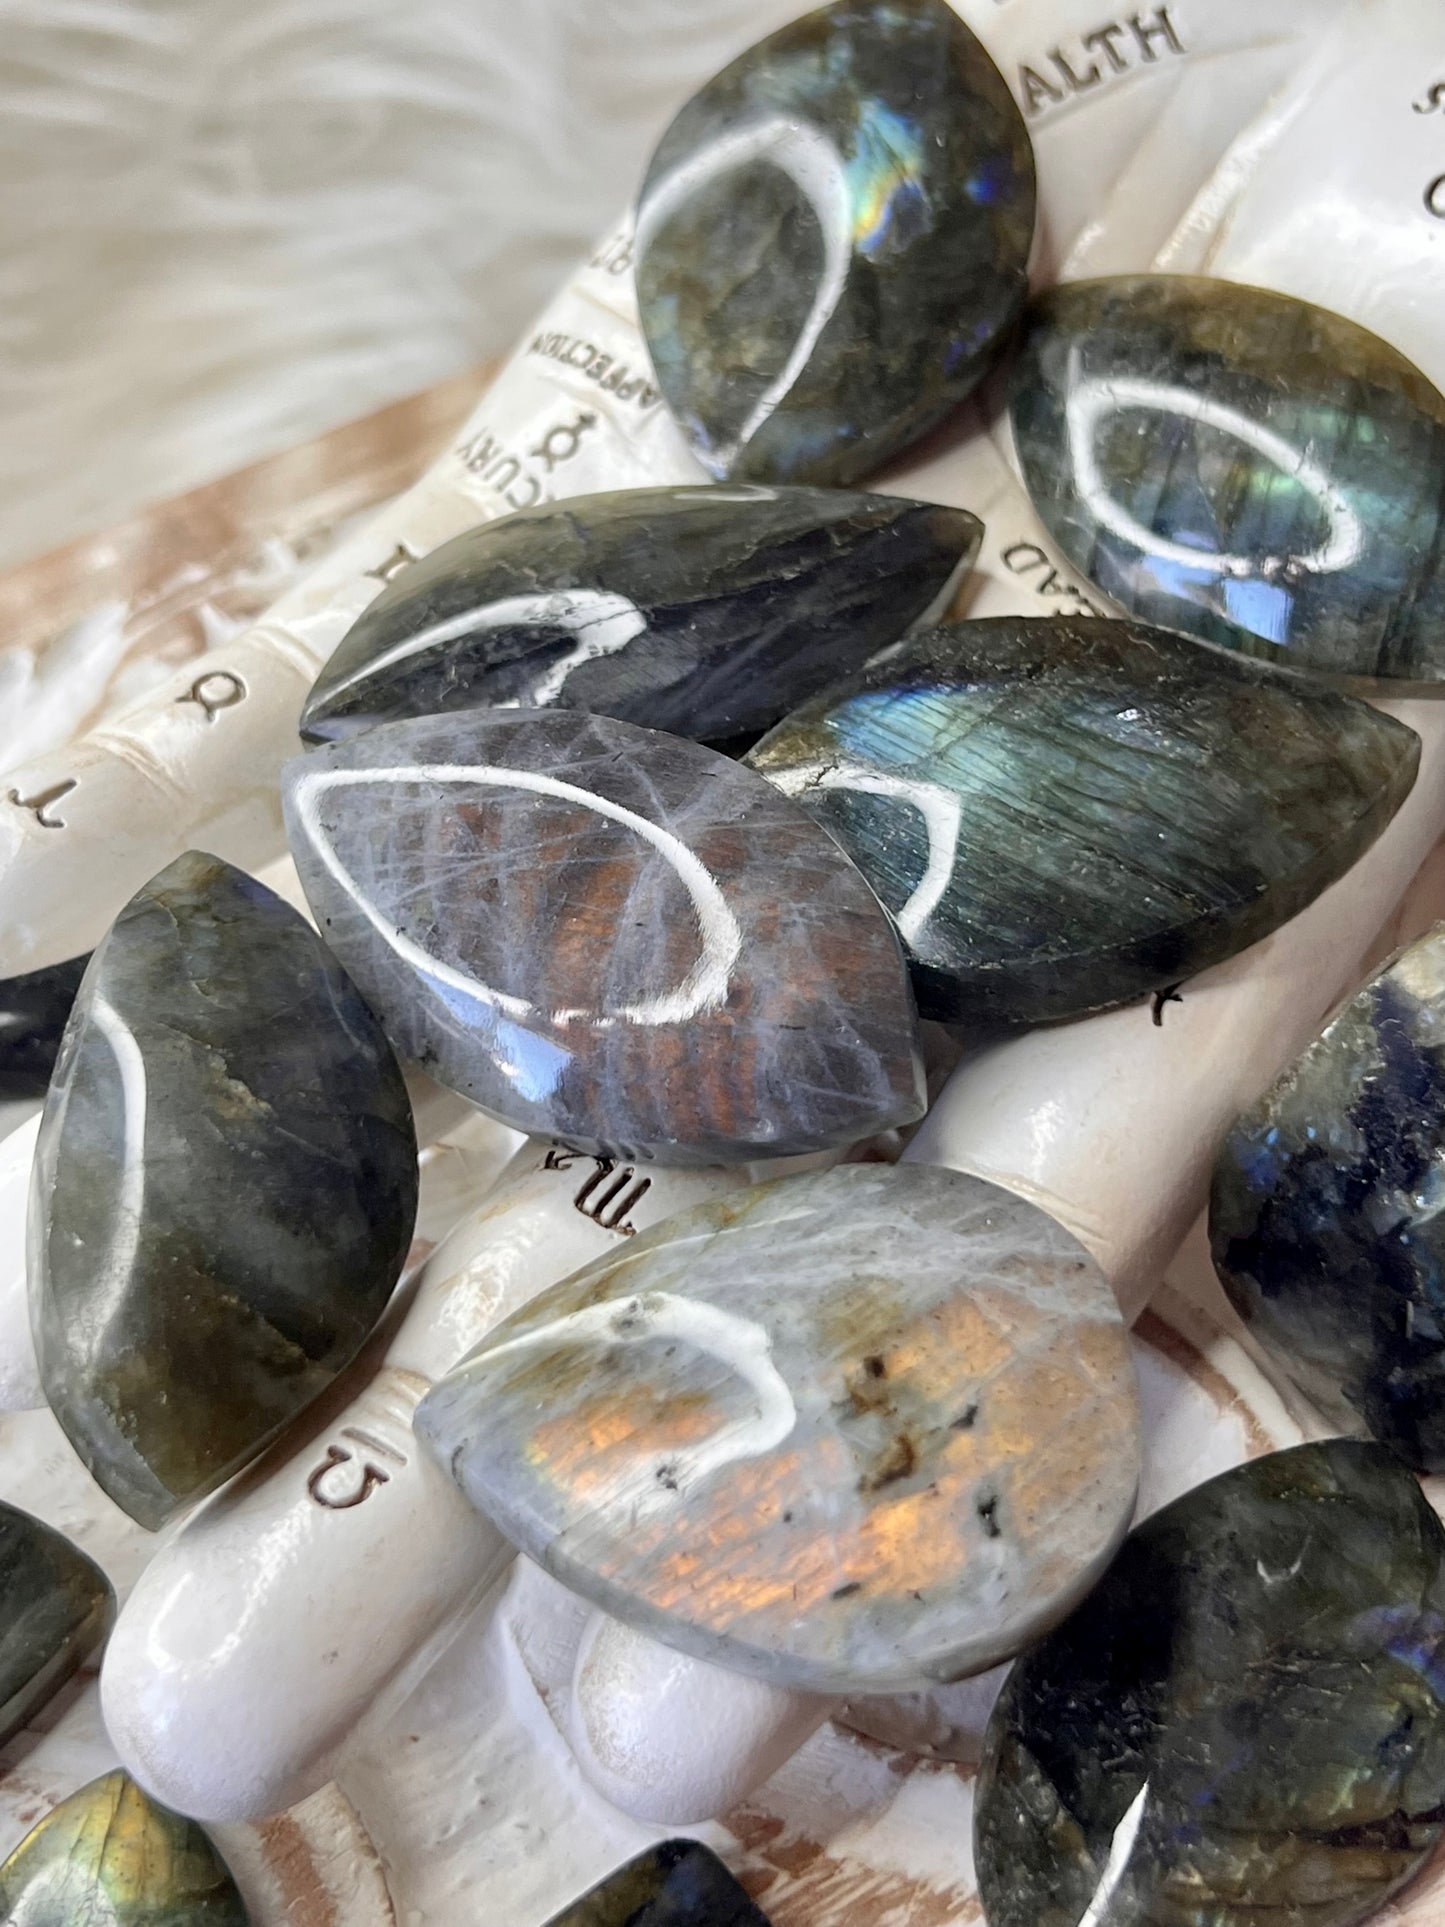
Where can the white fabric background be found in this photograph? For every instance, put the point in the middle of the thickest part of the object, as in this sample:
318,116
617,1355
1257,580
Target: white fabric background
226,225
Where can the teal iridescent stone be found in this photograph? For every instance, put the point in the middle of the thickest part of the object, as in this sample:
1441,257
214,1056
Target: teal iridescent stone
1244,1723
709,612
677,1883
1064,814
833,241
1242,466
56,1606
1325,1218
225,1187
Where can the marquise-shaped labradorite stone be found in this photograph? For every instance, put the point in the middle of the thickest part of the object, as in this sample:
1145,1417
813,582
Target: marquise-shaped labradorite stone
56,1606
33,1010
1243,1723
605,934
860,1431
225,1187
677,1883
1062,814
709,612
1242,466
110,1856
832,241
1325,1217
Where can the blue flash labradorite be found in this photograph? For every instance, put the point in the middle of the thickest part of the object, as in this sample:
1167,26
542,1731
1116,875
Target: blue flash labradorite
225,1187
832,241
1065,814
677,1883
709,612
110,1856
1243,1723
1242,466
1325,1217
33,1010
56,1606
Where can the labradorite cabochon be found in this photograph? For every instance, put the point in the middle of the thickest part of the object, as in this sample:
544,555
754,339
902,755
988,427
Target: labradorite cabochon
608,935
33,1013
56,1606
1243,466
1063,814
860,1431
225,1187
832,241
1325,1215
1243,1722
677,1883
709,612
110,1856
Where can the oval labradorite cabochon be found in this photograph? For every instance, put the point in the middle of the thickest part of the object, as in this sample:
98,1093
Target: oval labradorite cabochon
833,240
1242,466
1244,1723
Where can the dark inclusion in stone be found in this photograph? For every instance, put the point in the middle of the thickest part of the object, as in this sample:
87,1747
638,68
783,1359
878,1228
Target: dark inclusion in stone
1325,1218
225,1187
677,1883
832,241
1242,466
709,612
110,1856
33,1010
608,935
1064,814
1242,1723
55,1608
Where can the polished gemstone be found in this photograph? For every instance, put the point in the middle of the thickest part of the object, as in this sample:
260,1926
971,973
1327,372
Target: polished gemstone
608,935
832,241
1325,1217
111,1857
1243,1723
709,612
1064,814
1242,466
677,1883
33,1010
859,1431
56,1606
225,1186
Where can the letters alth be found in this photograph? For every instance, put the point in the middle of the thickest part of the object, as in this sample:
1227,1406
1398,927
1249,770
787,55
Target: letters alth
1137,41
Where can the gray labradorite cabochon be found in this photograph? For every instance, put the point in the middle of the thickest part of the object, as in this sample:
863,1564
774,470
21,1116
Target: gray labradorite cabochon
1064,814
1242,466
55,1608
225,1187
833,240
606,934
1244,1723
709,612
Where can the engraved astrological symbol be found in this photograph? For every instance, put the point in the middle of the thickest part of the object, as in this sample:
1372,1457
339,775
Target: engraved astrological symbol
561,443
38,805
400,558
217,689
371,1476
1435,197
605,1204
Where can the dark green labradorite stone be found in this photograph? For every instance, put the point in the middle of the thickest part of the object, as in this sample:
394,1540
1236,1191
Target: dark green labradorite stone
110,1856
1325,1217
832,241
1242,466
709,612
225,1187
55,1608
677,1883
1064,814
1243,1723
33,1010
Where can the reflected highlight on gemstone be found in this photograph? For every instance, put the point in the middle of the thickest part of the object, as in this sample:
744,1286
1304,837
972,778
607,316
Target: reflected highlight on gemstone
1242,466
832,241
